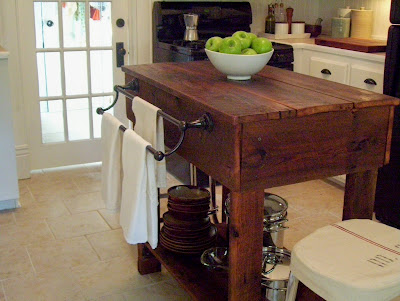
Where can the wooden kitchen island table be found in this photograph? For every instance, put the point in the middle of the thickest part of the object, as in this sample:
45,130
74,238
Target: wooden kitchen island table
278,128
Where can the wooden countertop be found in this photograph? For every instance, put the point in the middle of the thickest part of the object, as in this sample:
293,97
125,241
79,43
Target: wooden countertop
309,43
271,94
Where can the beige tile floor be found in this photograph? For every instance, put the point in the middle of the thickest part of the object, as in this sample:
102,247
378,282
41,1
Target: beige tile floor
62,244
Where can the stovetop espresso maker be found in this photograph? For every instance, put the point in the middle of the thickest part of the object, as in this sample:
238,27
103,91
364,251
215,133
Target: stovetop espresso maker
191,21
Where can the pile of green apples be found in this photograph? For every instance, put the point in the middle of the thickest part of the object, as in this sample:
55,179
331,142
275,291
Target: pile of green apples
240,42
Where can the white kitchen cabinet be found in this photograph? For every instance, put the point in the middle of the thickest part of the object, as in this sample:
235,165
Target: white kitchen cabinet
328,69
357,69
9,193
367,78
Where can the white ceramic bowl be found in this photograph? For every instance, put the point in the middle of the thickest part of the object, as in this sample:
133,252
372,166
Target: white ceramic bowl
237,66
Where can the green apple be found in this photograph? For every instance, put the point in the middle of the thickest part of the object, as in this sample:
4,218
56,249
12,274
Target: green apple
252,35
214,43
230,45
244,38
261,45
249,51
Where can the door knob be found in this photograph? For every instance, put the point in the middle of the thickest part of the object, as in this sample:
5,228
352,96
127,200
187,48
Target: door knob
120,22
122,51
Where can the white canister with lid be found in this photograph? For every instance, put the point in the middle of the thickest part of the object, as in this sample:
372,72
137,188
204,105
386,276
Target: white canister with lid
361,23
344,12
298,27
281,28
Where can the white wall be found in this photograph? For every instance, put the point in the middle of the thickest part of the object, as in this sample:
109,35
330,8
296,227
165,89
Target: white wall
9,39
381,9
310,10
8,176
141,30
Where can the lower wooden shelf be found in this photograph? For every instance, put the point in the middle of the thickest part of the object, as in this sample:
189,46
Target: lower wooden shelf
199,281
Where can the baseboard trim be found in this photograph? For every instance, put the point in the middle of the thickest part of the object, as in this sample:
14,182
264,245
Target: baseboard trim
9,204
23,157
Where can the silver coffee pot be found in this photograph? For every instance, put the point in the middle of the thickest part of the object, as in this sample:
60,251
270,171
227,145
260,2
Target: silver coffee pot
191,21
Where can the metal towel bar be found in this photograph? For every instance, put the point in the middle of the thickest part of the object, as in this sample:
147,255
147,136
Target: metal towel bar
204,122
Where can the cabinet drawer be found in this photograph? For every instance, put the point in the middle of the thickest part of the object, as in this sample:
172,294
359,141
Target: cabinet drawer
366,78
330,70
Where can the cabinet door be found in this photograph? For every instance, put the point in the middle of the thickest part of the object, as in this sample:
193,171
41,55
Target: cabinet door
367,78
330,70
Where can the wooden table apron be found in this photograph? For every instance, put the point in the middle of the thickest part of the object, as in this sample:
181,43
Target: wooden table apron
278,128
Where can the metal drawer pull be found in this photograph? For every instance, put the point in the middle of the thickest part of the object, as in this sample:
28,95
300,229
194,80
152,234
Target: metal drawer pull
370,81
326,71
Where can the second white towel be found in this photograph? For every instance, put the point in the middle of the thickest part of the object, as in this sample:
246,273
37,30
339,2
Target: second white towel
149,125
139,214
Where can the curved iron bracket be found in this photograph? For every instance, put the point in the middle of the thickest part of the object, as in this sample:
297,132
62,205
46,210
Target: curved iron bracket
133,86
205,122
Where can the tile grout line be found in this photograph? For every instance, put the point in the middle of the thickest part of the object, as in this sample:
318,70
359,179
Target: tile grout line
31,194
51,231
14,218
30,260
97,210
3,289
69,211
94,249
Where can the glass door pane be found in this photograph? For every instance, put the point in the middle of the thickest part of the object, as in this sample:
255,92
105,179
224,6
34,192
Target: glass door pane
69,66
101,71
46,25
49,73
52,118
100,24
76,81
78,119
74,24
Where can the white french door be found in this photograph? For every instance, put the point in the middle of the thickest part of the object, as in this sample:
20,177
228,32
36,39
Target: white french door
68,61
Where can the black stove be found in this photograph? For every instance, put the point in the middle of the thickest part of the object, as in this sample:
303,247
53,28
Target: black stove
215,19
192,45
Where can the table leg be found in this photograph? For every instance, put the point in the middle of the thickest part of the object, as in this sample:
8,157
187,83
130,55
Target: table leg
305,294
147,263
359,196
245,245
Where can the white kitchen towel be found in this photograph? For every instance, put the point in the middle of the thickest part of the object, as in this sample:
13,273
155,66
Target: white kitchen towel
149,125
111,170
139,214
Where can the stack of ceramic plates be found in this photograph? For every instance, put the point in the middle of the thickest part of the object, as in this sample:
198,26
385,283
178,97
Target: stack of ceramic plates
187,228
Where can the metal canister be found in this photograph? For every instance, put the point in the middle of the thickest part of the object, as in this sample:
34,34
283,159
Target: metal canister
275,217
275,273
